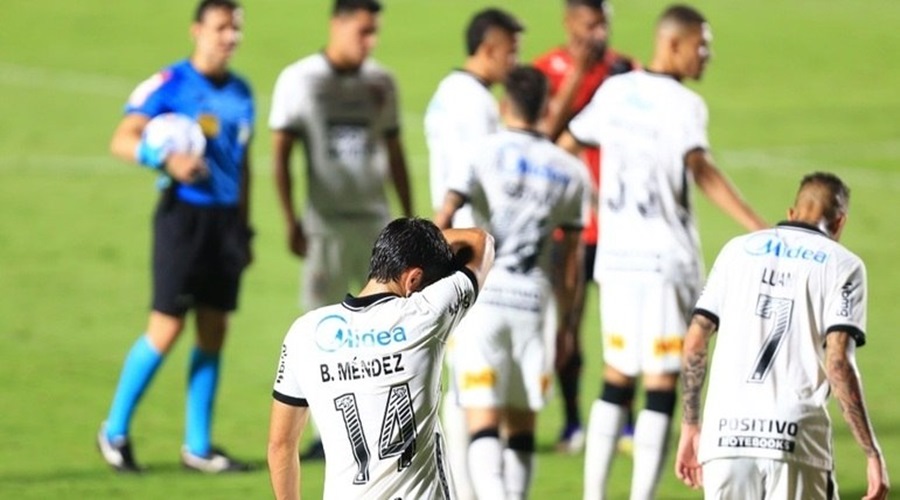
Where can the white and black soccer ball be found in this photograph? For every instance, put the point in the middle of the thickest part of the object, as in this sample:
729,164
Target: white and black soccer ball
175,133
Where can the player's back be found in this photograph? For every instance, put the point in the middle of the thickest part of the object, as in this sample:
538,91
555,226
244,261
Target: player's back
461,112
370,370
529,187
776,294
645,124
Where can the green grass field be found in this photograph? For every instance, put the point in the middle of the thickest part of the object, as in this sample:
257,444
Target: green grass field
795,86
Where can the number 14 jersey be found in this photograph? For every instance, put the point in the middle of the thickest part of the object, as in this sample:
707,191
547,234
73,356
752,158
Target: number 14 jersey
775,295
370,371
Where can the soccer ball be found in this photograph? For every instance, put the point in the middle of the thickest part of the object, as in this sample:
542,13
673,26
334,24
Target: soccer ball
175,133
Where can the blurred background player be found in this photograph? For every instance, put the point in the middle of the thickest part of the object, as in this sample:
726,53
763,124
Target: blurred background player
789,304
379,421
201,231
342,106
575,71
652,131
462,112
529,187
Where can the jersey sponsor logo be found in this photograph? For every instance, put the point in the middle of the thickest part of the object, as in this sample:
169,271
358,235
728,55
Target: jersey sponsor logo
209,124
616,341
281,364
333,333
146,88
847,299
667,346
768,245
480,379
785,428
766,443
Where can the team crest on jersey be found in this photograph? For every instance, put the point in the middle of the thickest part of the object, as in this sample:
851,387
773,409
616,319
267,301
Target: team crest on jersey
333,333
209,123
146,88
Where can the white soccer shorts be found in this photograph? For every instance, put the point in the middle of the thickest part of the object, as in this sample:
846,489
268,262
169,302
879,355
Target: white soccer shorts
336,260
500,352
644,319
747,477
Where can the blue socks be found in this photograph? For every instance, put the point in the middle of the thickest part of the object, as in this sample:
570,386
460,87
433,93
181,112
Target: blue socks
137,372
203,378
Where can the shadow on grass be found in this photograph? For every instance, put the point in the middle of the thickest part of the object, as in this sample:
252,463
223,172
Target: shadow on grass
93,473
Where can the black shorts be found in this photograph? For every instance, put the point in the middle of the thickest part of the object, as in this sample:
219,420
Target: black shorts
199,254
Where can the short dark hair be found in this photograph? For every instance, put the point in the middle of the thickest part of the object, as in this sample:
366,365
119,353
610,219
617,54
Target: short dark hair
410,242
526,89
483,21
594,4
829,191
348,6
206,5
683,15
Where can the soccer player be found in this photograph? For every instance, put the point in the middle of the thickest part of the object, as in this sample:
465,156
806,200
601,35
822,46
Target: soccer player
789,304
342,107
575,71
462,112
369,368
652,131
529,187
201,231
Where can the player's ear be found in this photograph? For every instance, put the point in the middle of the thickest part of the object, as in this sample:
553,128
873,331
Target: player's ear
836,227
412,280
791,213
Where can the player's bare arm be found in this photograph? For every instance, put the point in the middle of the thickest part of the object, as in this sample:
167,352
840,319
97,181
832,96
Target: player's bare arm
286,426
560,106
452,202
474,248
694,362
282,146
399,173
721,191
567,284
846,385
568,142
184,168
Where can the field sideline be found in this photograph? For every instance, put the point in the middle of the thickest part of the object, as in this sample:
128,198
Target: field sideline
794,86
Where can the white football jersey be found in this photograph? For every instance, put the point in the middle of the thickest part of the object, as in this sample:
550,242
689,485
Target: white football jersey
775,295
370,371
342,119
530,187
461,113
645,123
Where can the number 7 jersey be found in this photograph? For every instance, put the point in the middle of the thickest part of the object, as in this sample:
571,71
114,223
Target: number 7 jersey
775,295
370,371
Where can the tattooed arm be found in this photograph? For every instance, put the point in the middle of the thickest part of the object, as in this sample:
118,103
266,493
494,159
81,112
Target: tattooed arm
693,372
840,367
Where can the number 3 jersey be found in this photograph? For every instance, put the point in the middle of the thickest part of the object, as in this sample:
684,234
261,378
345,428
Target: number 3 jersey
370,371
645,124
342,118
775,295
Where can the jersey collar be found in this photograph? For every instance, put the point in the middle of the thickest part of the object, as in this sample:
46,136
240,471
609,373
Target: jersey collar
359,303
475,77
801,225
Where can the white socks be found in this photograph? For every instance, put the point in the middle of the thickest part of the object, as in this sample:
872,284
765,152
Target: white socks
486,467
456,435
651,433
603,429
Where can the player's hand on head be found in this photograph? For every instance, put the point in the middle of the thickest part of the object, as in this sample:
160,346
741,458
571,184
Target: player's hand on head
687,467
297,239
186,168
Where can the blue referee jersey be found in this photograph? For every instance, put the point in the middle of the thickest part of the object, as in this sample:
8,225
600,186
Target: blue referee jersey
224,111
